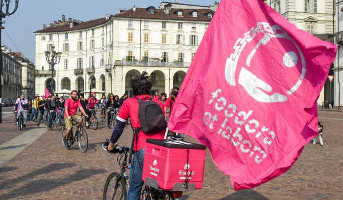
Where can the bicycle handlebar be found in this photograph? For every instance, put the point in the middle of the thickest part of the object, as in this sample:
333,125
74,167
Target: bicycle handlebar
119,150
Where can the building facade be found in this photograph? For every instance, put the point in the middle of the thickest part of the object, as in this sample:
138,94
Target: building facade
12,75
104,55
317,18
28,74
338,71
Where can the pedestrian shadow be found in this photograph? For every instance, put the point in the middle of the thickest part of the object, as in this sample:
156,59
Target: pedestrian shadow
12,147
41,185
7,169
8,183
245,195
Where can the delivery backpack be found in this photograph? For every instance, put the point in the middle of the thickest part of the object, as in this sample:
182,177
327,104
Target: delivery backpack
151,117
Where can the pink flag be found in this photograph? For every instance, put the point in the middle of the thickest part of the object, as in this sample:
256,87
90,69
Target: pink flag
250,92
47,93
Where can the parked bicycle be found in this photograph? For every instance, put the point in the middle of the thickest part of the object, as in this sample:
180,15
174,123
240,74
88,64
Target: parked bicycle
80,136
113,116
92,122
116,184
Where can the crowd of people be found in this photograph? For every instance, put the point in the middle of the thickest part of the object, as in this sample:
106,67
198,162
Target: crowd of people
45,108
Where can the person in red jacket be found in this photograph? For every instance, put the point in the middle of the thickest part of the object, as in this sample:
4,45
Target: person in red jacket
141,89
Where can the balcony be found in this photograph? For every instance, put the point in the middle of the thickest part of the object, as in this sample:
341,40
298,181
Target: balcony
78,72
108,68
90,70
151,63
44,72
339,37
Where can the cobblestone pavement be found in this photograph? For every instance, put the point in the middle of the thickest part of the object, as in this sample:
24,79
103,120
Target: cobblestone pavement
45,170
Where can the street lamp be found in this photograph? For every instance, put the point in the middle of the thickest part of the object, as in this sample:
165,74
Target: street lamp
52,58
4,14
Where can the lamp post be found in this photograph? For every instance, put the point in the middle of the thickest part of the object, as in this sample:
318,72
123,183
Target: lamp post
3,14
52,58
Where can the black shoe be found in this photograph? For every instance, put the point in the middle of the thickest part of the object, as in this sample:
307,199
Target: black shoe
24,125
65,142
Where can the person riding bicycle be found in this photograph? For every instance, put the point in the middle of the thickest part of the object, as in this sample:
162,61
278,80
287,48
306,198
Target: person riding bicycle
21,106
52,104
71,106
112,104
92,101
141,88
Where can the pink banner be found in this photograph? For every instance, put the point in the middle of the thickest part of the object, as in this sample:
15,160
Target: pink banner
250,93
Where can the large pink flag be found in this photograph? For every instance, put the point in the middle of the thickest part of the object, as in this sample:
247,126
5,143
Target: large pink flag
250,92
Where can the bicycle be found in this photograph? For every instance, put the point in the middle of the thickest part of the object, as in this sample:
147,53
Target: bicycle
93,120
116,184
79,136
20,121
113,113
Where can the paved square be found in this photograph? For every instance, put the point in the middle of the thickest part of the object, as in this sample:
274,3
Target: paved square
45,170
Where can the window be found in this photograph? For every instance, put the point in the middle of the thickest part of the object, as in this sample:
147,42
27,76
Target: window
146,24
92,62
164,56
79,63
66,47
50,37
49,47
43,38
109,58
130,23
146,56
92,44
179,13
164,25
102,61
164,38
180,39
103,42
65,63
193,40
130,37
92,32
210,15
80,34
146,37
129,56
311,6
310,27
66,36
195,14
79,46
179,25
181,57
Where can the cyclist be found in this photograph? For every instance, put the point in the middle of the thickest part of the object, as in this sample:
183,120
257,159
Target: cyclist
21,106
92,101
112,104
61,103
141,89
71,106
51,109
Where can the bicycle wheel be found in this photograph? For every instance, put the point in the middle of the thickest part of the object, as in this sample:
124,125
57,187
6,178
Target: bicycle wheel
115,187
20,123
68,144
95,123
83,140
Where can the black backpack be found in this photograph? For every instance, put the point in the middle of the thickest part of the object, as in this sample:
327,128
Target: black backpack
151,117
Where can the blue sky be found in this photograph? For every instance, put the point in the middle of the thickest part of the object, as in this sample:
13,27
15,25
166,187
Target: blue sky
32,14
